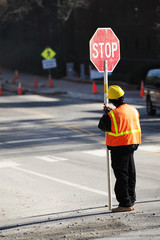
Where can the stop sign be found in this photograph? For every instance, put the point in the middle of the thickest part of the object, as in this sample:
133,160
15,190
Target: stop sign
104,45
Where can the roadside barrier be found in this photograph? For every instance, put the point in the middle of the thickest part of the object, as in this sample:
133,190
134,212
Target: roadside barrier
142,89
13,79
16,74
50,81
19,88
35,83
94,87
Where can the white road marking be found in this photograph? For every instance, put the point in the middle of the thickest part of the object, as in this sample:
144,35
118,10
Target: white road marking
30,140
51,159
43,139
60,181
8,164
149,148
97,152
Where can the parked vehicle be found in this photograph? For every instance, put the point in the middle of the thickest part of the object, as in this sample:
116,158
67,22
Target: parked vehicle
152,91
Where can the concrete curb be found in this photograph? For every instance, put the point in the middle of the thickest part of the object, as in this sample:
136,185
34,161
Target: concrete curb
122,84
13,87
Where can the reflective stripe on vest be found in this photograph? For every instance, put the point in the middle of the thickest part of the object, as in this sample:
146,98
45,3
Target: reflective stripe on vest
117,134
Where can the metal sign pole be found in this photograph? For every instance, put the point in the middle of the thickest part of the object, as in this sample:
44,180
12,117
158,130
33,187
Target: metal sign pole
107,151
49,72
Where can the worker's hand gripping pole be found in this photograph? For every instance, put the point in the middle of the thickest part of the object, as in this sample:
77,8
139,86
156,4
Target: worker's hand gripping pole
107,152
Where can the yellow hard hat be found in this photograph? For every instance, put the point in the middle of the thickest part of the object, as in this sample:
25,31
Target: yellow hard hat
115,92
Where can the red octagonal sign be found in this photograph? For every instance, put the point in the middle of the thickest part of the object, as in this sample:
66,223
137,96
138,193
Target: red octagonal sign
104,45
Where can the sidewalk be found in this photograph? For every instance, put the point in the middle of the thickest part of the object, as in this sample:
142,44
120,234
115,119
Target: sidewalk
75,88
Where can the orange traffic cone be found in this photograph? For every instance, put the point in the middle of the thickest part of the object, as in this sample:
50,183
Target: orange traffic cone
35,82
142,89
50,81
19,88
16,74
76,75
94,87
13,79
0,89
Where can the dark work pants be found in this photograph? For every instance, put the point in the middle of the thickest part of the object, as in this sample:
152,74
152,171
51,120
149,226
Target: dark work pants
125,174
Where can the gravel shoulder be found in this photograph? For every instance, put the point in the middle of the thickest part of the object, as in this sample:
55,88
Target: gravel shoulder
143,223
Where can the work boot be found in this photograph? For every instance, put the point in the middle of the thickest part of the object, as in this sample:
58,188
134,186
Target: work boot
122,209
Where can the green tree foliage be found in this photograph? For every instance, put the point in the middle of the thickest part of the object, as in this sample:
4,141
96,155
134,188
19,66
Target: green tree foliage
65,7
16,10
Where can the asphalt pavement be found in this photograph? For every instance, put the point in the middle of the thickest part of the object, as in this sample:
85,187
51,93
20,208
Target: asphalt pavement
142,224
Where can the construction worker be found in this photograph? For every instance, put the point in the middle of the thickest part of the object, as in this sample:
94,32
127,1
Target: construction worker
123,138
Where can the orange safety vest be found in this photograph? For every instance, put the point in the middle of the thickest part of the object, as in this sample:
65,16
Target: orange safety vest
125,126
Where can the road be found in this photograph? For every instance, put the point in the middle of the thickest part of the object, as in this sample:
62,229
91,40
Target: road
53,171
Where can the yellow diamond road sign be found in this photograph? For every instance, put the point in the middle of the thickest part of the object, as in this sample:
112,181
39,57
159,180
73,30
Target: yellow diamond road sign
48,53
